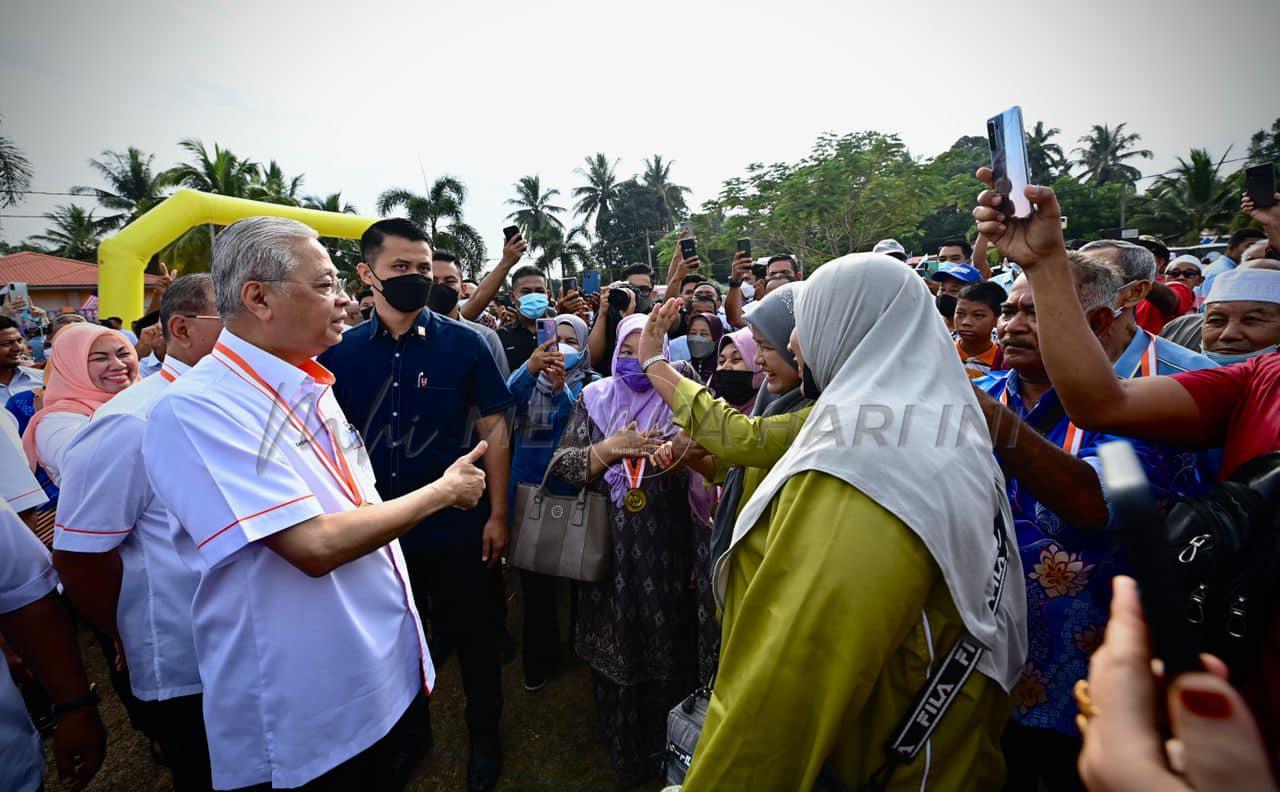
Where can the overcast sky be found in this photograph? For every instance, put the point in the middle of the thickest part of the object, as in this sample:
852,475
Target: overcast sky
362,96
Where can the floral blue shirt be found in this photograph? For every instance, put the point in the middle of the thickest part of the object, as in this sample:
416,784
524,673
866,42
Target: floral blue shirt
1069,570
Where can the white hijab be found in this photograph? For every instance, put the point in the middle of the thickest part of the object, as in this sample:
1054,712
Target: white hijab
880,352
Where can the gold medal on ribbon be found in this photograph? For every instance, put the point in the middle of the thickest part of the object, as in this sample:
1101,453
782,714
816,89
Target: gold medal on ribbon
635,499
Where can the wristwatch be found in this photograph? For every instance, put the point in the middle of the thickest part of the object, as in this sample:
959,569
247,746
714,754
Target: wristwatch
735,284
644,367
89,699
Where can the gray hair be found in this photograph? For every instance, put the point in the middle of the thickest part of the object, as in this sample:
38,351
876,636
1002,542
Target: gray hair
256,248
1097,285
1137,263
186,295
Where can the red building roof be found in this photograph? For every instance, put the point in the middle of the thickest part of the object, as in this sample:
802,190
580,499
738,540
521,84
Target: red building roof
41,271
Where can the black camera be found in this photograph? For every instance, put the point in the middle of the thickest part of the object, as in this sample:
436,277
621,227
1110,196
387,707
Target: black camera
619,300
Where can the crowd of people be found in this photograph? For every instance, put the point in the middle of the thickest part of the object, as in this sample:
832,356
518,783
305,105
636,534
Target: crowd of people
852,504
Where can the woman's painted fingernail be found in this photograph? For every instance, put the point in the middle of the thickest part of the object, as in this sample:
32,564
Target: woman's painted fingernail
1206,703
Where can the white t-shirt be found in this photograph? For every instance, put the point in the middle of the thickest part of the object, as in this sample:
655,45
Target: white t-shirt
54,434
106,503
25,576
300,673
17,483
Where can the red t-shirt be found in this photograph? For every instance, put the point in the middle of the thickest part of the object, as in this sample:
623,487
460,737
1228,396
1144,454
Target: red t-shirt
1151,319
1243,402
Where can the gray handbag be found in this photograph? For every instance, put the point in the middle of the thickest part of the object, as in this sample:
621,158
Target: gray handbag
562,535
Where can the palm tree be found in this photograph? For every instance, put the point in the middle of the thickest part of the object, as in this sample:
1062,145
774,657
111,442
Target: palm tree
15,173
133,188
571,251
75,233
1045,159
1105,151
534,213
439,212
223,173
1193,197
668,196
600,193
329,203
272,186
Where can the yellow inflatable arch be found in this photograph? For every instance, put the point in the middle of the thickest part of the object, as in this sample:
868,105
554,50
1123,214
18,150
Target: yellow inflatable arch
123,258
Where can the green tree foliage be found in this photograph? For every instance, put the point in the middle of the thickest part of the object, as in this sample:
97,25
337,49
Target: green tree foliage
1106,152
345,253
15,173
1264,146
1194,196
535,214
952,172
132,188
668,197
623,238
439,213
569,251
851,191
75,233
1045,159
1089,208
598,196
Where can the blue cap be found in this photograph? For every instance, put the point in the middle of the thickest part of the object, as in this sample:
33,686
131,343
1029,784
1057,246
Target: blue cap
961,272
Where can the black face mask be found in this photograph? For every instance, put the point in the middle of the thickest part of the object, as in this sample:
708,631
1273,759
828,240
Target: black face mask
443,299
808,385
406,293
735,387
946,305
366,311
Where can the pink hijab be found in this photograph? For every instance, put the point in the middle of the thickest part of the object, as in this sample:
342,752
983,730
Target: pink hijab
68,388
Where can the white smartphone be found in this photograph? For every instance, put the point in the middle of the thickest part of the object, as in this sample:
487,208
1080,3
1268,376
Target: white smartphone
1008,147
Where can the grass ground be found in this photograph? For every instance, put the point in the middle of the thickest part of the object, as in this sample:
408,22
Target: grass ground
551,739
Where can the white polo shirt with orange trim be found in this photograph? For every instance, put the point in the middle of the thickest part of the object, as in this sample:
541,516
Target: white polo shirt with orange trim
107,503
300,674
17,483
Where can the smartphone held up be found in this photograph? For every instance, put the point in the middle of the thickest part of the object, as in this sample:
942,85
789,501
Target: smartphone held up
1008,146
689,250
547,332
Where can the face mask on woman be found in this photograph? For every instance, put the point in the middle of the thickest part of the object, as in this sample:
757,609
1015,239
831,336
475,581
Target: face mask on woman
571,355
534,305
946,305
808,385
701,348
1227,358
628,370
735,387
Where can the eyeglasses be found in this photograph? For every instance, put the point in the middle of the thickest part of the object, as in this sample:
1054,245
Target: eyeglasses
201,316
328,287
1189,274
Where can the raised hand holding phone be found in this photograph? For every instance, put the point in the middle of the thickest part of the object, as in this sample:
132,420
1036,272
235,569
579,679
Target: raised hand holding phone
1024,240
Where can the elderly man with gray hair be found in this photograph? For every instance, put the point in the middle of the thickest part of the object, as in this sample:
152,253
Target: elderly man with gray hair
309,647
1060,512
1142,353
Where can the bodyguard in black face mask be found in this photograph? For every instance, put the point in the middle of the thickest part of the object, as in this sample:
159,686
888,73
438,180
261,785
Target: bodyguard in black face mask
412,382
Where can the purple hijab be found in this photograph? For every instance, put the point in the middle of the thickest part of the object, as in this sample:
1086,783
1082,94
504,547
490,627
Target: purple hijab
611,405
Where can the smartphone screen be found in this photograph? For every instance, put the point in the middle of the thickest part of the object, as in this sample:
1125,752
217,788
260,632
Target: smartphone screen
1009,158
686,229
1260,183
510,231
688,249
547,332
568,285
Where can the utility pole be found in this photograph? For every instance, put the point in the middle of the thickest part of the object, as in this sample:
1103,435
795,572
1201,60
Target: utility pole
648,249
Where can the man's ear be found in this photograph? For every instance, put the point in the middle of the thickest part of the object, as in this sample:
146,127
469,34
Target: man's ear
253,296
366,273
1140,291
1100,320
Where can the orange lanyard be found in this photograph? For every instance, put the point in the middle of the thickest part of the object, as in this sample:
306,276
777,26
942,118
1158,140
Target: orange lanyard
1147,365
1070,443
336,466
1145,368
